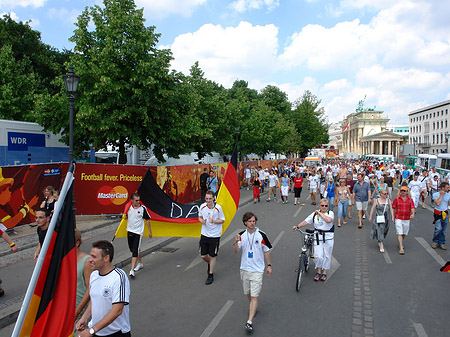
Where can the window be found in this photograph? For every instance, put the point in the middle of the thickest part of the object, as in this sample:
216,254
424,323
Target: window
434,114
437,125
434,126
420,128
442,124
442,138
433,140
438,114
446,124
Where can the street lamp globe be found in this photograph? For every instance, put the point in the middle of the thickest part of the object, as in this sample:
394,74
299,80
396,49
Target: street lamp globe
71,81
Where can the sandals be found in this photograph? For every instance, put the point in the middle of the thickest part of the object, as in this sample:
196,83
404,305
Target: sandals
323,277
317,277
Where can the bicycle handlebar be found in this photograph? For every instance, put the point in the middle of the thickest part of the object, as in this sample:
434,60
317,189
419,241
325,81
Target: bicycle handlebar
307,231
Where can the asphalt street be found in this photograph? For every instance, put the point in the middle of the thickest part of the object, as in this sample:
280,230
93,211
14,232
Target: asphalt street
367,293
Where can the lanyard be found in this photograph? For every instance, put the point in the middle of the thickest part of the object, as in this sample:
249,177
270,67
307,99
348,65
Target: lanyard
253,240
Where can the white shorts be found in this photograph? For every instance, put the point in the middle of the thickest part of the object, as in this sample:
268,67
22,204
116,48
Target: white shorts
313,190
402,227
251,282
361,205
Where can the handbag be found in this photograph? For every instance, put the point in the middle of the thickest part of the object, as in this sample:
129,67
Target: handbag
381,218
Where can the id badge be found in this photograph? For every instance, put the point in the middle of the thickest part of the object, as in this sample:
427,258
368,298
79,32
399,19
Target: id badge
250,255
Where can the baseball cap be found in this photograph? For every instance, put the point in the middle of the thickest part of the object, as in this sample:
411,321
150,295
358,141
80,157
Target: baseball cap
404,188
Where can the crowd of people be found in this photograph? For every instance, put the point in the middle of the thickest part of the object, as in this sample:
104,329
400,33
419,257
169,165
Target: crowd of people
389,192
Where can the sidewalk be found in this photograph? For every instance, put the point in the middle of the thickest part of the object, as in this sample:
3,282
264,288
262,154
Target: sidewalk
26,238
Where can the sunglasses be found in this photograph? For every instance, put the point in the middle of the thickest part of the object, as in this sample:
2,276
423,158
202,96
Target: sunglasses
323,205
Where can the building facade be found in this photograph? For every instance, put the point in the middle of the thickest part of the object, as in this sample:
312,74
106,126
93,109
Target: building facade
429,128
365,132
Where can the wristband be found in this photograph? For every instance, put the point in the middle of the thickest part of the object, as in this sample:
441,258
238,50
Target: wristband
12,244
269,265
24,212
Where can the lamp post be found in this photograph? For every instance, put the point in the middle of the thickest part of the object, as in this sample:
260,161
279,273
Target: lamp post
71,81
447,136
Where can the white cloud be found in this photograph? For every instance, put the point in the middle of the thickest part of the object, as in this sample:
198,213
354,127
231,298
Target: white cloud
159,9
68,17
227,54
12,15
241,6
22,3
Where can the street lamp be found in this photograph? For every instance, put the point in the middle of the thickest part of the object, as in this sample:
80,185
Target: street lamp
447,136
71,81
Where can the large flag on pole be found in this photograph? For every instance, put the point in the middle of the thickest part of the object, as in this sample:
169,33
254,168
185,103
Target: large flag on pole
49,304
169,218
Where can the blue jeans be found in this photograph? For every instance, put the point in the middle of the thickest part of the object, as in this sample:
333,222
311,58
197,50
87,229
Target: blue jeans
330,203
342,208
440,228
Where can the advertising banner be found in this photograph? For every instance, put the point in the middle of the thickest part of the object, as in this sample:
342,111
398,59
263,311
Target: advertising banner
21,190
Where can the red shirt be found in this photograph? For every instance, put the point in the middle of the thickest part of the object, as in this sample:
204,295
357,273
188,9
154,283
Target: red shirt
403,208
298,182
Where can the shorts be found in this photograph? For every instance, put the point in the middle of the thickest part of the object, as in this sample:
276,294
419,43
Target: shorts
251,282
209,246
313,190
134,243
117,334
402,227
361,205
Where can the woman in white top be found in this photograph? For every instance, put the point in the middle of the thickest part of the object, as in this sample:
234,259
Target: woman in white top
323,244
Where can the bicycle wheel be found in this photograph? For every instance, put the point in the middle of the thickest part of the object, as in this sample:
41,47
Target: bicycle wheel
300,269
307,261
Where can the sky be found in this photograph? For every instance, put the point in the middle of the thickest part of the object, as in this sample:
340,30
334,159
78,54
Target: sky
395,54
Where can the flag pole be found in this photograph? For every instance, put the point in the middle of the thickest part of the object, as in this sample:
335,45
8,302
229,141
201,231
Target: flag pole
37,269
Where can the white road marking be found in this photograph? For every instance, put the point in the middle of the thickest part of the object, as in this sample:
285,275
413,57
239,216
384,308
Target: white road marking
198,258
386,256
420,330
430,250
278,238
334,266
215,322
297,212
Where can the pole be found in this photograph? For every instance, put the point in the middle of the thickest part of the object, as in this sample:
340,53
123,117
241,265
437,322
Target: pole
37,269
71,101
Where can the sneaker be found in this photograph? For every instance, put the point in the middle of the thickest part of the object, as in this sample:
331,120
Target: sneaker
434,245
364,216
443,247
210,279
248,327
139,266
268,200
132,273
295,203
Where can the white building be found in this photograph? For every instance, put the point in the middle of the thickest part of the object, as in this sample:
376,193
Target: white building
429,128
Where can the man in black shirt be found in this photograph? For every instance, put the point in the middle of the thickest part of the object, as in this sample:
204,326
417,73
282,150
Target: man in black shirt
42,220
203,186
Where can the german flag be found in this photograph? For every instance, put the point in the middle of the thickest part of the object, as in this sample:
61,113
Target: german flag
446,267
52,308
169,218
229,193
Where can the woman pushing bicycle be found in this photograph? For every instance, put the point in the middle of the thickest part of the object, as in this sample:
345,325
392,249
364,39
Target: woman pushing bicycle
324,241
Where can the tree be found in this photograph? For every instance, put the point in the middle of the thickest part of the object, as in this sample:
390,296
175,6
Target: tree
310,122
276,99
17,86
126,91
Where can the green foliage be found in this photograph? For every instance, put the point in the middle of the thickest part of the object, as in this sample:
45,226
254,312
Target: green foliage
310,122
17,86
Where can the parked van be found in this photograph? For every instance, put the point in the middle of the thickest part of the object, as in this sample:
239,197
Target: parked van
426,161
410,162
311,161
443,165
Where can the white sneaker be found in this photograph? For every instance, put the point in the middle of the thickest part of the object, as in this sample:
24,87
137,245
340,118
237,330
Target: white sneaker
364,216
139,266
132,273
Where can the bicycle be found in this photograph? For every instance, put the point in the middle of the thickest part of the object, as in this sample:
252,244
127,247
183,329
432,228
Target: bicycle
305,255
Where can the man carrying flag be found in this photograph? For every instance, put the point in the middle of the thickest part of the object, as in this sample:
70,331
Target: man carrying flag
136,213
211,217
109,290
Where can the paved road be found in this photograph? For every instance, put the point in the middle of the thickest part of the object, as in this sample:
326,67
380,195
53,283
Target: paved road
367,293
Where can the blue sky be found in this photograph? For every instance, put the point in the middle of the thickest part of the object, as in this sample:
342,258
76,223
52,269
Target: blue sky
396,53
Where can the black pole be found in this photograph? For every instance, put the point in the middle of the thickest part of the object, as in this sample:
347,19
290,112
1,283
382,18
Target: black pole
71,102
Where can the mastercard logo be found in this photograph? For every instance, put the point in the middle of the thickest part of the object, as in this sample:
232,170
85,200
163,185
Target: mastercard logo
108,195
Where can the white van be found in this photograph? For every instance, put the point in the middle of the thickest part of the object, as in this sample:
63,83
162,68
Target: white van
443,165
426,161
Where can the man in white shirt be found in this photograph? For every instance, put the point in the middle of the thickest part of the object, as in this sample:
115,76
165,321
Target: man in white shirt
109,291
415,188
136,216
273,184
255,246
211,217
